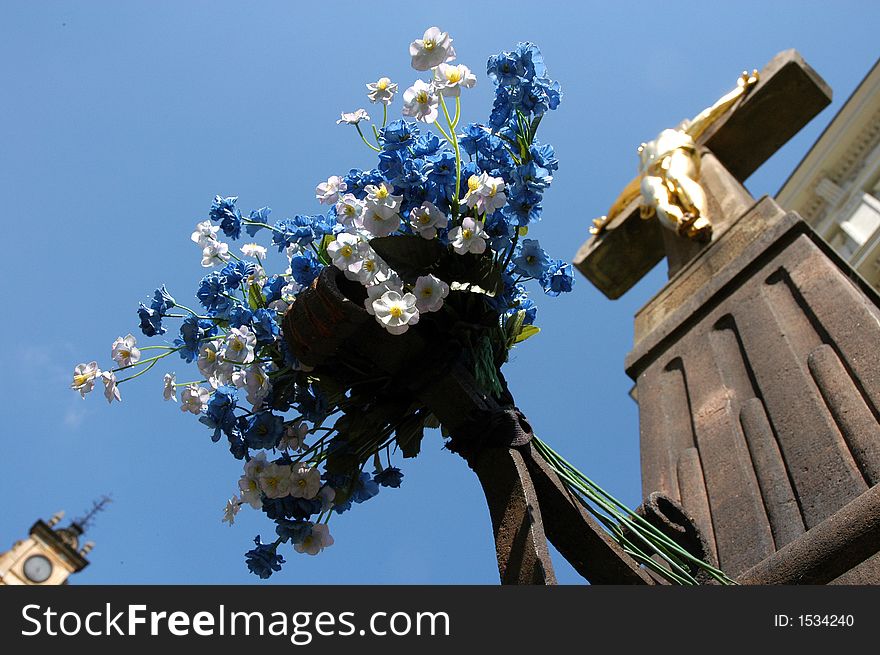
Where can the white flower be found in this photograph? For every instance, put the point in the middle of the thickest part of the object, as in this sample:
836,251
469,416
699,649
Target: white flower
215,253
449,79
294,436
382,90
427,219
381,196
327,495
430,292
275,481
111,391
194,399
396,312
486,193
348,209
380,220
215,370
239,345
374,292
318,540
345,252
170,391
255,465
250,490
354,117
289,291
204,233
257,384
305,481
434,48
372,268
421,101
231,509
468,237
327,193
124,350
253,250
84,376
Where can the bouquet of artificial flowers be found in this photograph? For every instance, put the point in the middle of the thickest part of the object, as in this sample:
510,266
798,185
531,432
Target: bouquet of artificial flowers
306,372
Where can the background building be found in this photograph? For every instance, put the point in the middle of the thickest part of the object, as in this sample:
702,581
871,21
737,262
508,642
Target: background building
836,187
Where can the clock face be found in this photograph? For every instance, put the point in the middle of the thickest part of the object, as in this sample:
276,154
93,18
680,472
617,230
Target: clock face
37,568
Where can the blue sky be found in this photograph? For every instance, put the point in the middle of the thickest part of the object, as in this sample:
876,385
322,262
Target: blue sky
120,122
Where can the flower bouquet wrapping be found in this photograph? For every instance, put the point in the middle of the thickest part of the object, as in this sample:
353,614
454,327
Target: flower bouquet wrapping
395,314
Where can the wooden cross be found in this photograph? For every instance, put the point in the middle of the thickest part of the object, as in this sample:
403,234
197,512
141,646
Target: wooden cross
788,94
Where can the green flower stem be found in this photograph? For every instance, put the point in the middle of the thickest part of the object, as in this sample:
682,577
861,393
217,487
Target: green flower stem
617,515
452,125
369,145
265,225
139,373
384,114
151,361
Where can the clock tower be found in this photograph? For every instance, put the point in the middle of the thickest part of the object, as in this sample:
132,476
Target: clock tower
49,555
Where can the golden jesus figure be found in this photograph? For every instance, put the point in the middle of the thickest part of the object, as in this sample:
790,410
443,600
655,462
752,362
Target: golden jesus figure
669,173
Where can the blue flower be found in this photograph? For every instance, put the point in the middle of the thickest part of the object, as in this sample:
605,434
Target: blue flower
391,162
426,144
413,173
272,288
357,180
298,230
558,279
531,60
239,315
323,225
523,206
258,216
531,260
398,134
223,211
263,429
365,488
263,559
294,531
151,321
220,414
265,326
192,331
305,267
311,402
213,293
532,177
390,477
235,272
505,68
291,508
544,155
162,301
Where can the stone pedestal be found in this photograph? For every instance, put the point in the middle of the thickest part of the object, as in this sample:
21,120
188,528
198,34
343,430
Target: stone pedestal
757,372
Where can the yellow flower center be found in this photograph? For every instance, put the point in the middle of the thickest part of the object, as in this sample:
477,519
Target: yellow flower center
382,192
237,345
396,311
125,354
427,292
424,219
530,259
422,98
467,234
370,265
382,84
453,75
80,380
346,251
301,483
430,44
473,182
211,356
